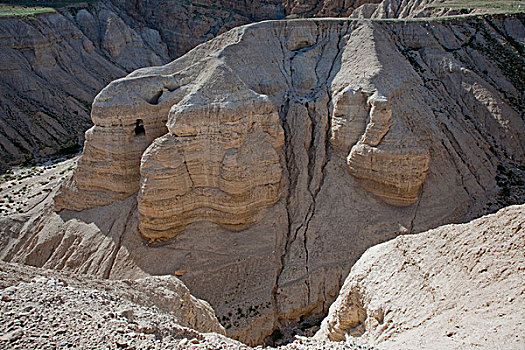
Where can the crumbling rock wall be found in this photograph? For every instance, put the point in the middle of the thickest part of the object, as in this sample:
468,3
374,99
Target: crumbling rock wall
364,130
54,64
219,162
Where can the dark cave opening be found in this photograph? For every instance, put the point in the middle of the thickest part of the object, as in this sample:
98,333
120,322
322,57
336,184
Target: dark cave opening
139,128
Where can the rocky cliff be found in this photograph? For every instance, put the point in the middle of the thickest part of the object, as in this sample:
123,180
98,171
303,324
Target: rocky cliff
54,64
52,67
270,174
455,287
48,309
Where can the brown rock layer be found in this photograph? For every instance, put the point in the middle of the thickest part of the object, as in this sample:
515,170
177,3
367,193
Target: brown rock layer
219,162
128,115
395,170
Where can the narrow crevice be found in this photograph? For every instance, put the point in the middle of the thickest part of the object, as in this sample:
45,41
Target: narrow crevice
456,167
316,130
457,150
411,229
283,68
120,238
283,112
316,173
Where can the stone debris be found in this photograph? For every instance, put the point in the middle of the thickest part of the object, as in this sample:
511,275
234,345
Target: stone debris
270,182
44,309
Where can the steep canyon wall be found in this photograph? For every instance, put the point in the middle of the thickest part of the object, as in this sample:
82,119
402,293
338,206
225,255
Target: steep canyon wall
263,163
53,64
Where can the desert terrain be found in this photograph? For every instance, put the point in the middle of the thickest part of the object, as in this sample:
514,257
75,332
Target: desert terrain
287,174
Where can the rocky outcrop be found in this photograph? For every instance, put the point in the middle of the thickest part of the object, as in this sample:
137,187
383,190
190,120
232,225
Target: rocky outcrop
165,293
219,162
394,171
53,65
41,306
76,310
389,128
127,119
457,286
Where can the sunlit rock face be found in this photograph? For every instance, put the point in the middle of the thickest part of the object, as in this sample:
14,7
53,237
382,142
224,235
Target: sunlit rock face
277,153
220,162
446,274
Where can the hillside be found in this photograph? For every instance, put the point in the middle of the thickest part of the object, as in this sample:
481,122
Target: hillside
271,182
54,60
454,287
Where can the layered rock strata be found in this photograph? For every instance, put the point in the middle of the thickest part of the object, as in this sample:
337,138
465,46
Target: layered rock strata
394,171
435,110
219,162
53,65
128,115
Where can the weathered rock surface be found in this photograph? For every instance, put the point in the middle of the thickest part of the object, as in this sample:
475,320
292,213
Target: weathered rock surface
454,287
52,67
43,308
167,294
431,99
400,9
219,162
47,309
394,171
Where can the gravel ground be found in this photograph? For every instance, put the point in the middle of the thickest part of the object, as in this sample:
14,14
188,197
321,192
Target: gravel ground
47,313
46,309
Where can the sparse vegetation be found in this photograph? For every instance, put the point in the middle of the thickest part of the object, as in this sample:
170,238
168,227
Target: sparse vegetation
22,11
507,6
45,3
465,8
22,8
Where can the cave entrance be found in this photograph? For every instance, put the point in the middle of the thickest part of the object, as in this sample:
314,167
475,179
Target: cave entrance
139,128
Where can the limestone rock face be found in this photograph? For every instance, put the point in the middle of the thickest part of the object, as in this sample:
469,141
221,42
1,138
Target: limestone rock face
394,171
128,116
52,66
457,286
272,181
219,162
